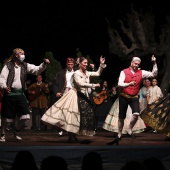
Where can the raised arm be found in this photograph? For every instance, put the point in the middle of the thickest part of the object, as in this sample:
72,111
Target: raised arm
147,74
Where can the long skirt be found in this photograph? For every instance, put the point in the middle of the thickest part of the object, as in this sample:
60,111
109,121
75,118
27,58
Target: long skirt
157,115
64,113
87,115
111,121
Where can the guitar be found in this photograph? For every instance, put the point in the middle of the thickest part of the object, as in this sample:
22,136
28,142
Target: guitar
100,97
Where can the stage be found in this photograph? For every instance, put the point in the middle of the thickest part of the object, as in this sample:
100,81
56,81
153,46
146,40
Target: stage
46,143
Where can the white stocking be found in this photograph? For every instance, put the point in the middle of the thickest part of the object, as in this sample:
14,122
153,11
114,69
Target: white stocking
3,127
120,127
133,121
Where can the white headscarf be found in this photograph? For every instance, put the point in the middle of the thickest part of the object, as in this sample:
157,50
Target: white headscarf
136,59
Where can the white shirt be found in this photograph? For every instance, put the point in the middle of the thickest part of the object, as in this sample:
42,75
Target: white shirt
31,69
69,78
154,93
145,74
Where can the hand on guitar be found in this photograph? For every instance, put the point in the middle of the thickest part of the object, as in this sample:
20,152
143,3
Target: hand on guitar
58,94
37,90
33,94
46,85
45,89
98,98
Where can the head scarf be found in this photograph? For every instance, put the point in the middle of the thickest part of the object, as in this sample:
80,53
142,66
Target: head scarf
136,59
17,50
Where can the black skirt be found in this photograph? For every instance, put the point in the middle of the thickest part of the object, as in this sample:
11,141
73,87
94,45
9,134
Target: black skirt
87,115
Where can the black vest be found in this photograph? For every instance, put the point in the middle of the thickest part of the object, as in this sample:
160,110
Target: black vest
10,65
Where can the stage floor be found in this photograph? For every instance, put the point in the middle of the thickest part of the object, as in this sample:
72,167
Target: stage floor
46,143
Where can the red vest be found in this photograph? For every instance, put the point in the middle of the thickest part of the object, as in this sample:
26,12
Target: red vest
129,76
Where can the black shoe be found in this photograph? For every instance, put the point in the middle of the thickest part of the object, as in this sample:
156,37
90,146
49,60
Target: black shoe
72,138
34,129
70,141
75,138
115,141
148,129
167,138
131,135
151,131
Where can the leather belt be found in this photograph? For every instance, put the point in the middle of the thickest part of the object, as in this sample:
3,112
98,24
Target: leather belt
128,96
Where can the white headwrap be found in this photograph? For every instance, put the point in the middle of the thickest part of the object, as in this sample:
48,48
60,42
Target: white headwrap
136,59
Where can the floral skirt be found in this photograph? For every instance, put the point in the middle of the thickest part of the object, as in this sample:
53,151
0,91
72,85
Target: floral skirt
87,115
157,115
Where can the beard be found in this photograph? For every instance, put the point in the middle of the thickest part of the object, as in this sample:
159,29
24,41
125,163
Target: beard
134,68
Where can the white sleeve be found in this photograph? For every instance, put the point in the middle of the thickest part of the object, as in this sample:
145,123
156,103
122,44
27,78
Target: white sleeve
121,80
80,82
99,71
147,74
3,77
32,69
159,92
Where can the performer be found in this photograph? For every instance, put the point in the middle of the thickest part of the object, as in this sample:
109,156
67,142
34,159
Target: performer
12,80
82,84
129,80
114,93
65,112
37,96
111,121
157,116
103,104
143,102
63,82
154,94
